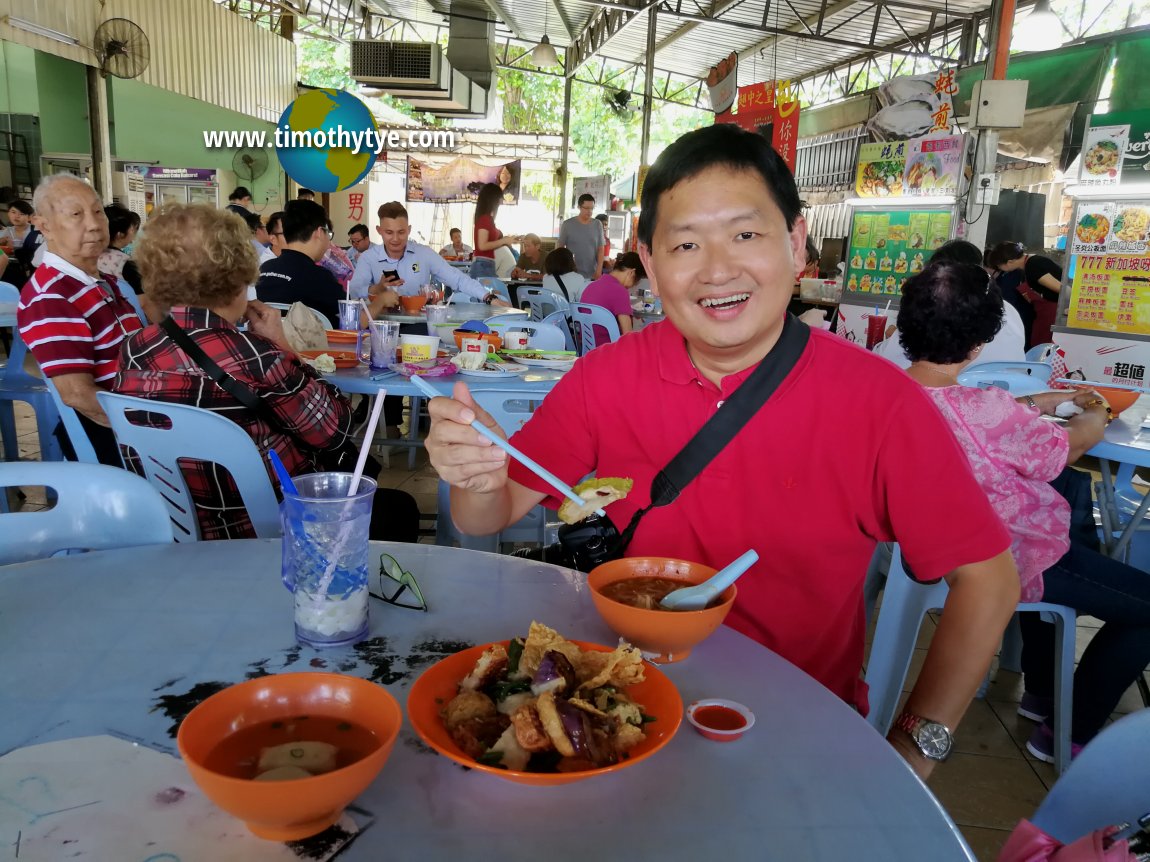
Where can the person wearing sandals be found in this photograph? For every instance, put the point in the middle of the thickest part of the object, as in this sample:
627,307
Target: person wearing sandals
947,313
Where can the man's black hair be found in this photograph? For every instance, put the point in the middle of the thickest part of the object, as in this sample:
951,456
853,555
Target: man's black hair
721,145
302,191
585,197
360,229
240,193
301,219
254,221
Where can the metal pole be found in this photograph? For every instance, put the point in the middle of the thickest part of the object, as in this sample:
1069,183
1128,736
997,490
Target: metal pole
649,83
1001,27
101,139
561,180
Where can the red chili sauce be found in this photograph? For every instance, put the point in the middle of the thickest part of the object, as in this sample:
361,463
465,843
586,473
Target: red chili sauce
720,718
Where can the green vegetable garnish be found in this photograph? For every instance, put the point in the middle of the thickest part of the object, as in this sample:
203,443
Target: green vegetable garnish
647,719
490,758
505,688
514,653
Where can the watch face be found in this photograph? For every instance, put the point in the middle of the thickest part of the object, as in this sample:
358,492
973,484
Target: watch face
933,740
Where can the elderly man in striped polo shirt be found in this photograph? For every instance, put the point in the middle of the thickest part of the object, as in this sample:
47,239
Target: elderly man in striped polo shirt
71,317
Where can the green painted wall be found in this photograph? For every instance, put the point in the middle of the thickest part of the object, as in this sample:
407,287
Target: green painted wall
154,125
18,80
63,105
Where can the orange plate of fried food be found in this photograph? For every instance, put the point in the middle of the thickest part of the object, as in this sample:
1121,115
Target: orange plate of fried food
341,336
343,358
439,684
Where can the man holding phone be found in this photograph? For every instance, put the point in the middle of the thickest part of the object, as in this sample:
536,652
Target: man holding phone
399,267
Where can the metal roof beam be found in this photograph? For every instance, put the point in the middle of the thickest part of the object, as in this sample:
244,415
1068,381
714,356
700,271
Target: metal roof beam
605,24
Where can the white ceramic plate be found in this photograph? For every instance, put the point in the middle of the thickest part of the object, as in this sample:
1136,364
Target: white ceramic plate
504,369
560,363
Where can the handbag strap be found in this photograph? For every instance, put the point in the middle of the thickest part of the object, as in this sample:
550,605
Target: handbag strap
562,287
221,378
721,428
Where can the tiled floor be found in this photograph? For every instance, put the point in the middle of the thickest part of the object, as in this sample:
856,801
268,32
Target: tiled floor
987,785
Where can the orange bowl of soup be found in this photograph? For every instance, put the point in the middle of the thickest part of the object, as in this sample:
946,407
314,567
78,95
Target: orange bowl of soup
413,304
626,593
329,734
1118,399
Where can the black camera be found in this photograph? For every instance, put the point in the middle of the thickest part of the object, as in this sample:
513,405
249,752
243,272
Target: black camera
581,546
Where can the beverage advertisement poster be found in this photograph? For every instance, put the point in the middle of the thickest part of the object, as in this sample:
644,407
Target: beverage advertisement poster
933,165
1111,293
888,247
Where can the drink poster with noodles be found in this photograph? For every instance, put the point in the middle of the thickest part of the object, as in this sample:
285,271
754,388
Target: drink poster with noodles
1111,293
770,108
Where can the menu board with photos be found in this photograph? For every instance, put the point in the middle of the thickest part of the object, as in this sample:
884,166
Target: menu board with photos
1108,227
887,247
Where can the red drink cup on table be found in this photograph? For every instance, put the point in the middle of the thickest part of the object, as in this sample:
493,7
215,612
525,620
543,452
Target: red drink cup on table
875,329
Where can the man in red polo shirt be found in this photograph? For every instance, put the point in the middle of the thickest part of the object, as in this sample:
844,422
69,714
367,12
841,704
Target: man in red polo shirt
848,451
72,318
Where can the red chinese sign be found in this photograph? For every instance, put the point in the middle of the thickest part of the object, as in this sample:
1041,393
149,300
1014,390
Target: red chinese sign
772,109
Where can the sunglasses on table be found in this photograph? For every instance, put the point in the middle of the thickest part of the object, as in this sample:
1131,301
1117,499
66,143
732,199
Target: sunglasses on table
390,583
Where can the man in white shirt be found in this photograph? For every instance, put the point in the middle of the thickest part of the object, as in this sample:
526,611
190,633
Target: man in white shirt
260,237
359,238
456,248
399,267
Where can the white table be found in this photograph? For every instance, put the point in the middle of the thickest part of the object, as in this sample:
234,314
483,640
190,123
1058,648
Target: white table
114,642
1126,443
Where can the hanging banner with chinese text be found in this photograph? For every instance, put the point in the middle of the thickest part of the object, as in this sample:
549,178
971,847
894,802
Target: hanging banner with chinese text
772,109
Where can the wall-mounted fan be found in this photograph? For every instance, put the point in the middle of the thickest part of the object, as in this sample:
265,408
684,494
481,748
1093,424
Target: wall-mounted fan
620,103
249,164
122,48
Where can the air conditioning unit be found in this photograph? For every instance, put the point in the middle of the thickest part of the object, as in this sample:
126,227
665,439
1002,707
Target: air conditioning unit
477,110
464,93
406,66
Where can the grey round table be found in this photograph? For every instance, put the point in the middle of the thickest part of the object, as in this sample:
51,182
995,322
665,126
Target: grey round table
122,642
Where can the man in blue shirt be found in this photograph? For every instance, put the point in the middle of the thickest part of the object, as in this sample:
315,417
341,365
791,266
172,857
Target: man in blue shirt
414,265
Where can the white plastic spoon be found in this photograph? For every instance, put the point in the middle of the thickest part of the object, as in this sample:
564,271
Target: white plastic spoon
699,596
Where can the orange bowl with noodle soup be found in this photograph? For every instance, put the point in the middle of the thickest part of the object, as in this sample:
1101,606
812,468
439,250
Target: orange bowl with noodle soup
632,611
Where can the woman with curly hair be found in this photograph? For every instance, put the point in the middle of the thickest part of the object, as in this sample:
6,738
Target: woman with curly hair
948,313
197,262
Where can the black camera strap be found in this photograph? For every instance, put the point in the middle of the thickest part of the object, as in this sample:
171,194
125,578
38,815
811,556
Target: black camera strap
721,428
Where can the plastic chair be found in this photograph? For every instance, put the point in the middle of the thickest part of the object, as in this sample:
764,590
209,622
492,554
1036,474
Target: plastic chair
1108,783
1040,352
904,604
511,408
16,384
542,301
97,507
1017,378
562,320
77,436
543,336
458,297
496,284
595,326
199,434
130,295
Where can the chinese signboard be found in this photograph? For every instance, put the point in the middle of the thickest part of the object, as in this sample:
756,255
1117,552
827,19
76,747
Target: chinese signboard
921,167
772,109
460,180
160,173
888,247
880,171
1111,293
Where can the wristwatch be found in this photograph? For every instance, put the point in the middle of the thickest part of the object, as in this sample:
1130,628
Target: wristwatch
932,739
490,297
1031,403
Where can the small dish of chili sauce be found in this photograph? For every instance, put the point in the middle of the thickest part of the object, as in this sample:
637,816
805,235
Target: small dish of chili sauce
720,720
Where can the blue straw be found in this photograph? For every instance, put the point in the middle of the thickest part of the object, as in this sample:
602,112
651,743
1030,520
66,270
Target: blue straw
544,474
281,472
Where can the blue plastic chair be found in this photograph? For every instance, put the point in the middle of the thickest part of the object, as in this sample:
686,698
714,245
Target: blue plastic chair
97,507
595,326
542,301
1017,378
16,384
904,604
1108,783
77,436
198,434
1040,352
458,297
562,320
496,284
133,300
511,408
543,336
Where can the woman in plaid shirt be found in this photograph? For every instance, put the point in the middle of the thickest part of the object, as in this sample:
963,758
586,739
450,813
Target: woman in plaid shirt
198,261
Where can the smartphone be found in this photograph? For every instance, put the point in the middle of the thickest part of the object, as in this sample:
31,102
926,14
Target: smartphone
390,273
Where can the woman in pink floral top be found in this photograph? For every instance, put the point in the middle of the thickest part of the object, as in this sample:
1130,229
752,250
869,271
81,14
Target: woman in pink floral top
947,313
